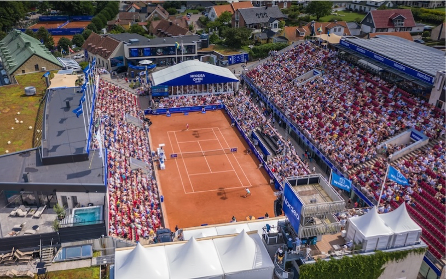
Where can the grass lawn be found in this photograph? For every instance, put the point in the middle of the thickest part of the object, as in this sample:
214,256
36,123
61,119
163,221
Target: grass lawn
222,49
79,273
13,100
440,9
347,16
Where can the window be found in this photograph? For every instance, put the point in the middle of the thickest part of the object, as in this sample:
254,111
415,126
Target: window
36,67
74,200
23,71
398,22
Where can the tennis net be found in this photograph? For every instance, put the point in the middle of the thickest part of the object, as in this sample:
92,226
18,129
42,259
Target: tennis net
204,153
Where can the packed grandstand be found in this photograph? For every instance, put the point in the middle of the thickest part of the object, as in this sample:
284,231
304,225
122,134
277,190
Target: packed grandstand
347,113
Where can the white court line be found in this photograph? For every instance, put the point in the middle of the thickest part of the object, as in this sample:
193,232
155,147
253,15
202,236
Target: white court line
181,179
229,159
210,172
237,161
186,169
204,157
195,140
191,130
215,190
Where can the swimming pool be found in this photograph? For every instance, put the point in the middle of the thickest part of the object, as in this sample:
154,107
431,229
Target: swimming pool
87,215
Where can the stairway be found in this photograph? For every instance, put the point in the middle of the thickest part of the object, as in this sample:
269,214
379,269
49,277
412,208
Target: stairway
47,255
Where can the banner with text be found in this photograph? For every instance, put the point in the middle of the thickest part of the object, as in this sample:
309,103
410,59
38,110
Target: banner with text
292,207
341,182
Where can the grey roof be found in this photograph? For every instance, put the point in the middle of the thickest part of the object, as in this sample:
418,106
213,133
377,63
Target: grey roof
12,167
143,41
417,56
261,14
64,132
353,25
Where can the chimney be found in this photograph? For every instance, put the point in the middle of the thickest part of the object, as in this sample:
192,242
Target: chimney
170,22
27,44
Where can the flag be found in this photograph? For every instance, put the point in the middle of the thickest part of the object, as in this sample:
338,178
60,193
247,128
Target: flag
83,87
70,50
87,69
320,29
82,100
341,182
328,34
78,111
397,177
177,45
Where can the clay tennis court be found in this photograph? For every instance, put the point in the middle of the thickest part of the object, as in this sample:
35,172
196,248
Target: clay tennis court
47,24
77,24
207,189
57,38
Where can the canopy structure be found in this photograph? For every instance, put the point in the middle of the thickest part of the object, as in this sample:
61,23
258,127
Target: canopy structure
406,231
370,230
331,38
244,257
141,263
194,260
63,81
234,256
193,72
230,228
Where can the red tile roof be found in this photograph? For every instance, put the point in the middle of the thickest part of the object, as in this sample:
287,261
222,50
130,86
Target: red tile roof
223,8
128,16
241,5
383,18
99,45
168,28
329,25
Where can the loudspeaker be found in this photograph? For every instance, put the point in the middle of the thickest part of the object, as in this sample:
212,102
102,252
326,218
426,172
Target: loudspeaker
67,104
277,207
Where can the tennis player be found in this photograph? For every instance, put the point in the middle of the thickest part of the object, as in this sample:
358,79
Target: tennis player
187,127
247,192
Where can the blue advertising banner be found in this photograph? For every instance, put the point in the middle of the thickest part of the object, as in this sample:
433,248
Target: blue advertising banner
414,136
53,18
398,66
141,68
341,182
396,176
159,91
292,207
238,58
81,18
198,78
182,109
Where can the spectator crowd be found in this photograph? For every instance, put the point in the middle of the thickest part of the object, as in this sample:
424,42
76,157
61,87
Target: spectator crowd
134,209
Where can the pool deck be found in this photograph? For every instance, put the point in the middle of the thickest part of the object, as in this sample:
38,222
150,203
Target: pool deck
45,222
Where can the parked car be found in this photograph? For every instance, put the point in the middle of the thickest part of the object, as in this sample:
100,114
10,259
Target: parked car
419,41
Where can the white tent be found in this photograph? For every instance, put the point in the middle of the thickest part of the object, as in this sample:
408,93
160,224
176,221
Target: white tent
199,232
193,259
406,231
370,230
193,72
244,257
233,228
141,263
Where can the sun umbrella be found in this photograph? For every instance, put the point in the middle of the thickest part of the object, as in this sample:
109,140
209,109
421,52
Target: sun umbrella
145,62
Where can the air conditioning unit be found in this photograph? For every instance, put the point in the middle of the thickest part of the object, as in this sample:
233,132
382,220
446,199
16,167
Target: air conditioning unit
44,68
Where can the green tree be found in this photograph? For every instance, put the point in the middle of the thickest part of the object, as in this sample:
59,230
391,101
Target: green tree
11,12
319,8
237,37
172,4
117,29
137,29
74,7
282,23
106,14
382,7
214,38
78,40
86,33
63,44
43,6
98,23
91,27
30,32
225,18
102,18
111,12
172,11
44,36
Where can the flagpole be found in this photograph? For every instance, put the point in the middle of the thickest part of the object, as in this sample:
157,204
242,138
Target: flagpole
182,50
383,185
85,127
330,177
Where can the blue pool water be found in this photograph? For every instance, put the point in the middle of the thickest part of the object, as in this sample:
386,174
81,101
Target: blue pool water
87,214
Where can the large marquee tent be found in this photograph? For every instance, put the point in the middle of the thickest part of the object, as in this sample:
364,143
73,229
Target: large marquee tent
406,231
237,256
193,72
370,230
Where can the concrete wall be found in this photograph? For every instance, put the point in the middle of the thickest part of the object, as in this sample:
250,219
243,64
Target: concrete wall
28,66
404,138
407,268
83,198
